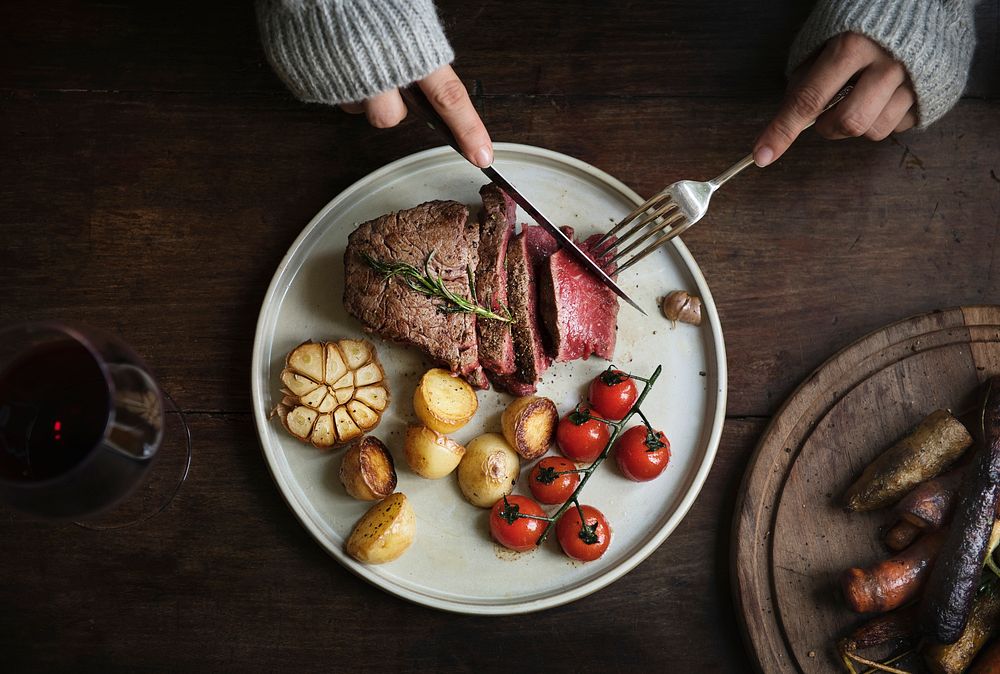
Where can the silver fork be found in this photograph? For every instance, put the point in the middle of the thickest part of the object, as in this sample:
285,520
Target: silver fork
676,208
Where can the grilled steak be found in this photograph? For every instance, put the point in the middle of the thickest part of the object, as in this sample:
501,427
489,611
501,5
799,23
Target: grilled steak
578,312
496,348
389,308
525,254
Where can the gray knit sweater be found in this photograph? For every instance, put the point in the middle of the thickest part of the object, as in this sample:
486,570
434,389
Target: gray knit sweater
933,39
337,51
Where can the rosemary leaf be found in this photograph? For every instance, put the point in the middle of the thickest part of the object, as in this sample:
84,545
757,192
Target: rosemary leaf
432,285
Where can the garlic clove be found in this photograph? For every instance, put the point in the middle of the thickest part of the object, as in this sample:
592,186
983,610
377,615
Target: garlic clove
297,384
335,365
355,352
375,397
299,421
363,416
347,429
307,359
368,374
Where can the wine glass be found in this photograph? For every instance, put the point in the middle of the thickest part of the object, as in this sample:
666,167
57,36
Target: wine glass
83,426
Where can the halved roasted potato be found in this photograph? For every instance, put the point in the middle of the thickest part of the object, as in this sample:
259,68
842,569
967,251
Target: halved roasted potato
443,401
334,392
384,532
529,424
367,470
431,454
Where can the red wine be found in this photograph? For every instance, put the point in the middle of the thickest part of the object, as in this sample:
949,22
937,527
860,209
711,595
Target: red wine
54,408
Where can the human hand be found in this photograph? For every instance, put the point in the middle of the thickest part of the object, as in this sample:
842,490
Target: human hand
881,102
448,96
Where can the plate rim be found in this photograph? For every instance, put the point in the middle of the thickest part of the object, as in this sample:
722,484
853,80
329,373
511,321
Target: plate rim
520,606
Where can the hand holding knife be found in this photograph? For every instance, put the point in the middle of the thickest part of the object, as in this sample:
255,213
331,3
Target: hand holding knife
417,101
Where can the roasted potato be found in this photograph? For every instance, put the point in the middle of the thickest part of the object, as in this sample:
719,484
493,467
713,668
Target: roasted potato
367,470
384,532
488,470
431,454
444,402
529,423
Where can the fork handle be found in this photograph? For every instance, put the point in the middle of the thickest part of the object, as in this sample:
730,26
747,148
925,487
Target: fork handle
721,179
724,177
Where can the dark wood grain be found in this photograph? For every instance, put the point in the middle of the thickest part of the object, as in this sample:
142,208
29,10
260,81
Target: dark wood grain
735,48
791,539
153,171
227,577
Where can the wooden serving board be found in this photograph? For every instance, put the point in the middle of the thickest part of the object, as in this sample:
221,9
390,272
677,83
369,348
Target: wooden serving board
791,539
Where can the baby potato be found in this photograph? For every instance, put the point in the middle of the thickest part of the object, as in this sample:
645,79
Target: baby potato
384,532
529,424
367,470
431,454
488,470
444,402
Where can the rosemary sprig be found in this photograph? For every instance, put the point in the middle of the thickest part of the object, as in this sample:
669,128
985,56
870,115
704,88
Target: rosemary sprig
432,285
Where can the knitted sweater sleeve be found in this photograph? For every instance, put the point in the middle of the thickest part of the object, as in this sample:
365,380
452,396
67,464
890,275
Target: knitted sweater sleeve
933,39
339,51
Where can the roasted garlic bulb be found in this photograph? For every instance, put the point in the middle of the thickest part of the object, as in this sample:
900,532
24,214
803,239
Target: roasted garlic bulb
334,392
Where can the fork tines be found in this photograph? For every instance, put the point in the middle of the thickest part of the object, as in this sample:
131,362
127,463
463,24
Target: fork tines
659,208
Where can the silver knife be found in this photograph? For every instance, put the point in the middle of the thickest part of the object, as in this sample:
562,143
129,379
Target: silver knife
418,103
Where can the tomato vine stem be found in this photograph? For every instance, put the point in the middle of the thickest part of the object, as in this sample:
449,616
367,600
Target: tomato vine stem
617,427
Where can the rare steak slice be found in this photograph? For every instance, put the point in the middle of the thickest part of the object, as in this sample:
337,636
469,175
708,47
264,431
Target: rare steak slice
496,347
525,254
578,311
393,310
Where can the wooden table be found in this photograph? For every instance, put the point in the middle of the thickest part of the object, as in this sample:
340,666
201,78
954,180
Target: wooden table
154,171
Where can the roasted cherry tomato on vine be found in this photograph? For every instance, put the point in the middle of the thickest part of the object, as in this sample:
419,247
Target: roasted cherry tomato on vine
547,486
581,438
583,543
516,533
642,455
612,394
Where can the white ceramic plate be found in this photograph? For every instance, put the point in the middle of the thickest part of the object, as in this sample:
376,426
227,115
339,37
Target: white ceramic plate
453,564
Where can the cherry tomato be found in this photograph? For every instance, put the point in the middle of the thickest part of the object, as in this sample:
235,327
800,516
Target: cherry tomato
519,533
581,438
641,455
612,394
549,488
583,544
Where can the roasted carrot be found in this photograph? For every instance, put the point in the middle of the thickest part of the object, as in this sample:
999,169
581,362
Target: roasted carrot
989,661
924,453
901,535
893,582
955,578
930,505
982,623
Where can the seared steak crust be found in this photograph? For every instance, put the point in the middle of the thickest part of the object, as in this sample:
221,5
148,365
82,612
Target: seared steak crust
496,347
390,309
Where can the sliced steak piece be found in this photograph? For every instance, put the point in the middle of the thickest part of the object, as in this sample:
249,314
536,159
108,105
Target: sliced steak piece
512,384
478,379
496,347
525,254
392,310
578,312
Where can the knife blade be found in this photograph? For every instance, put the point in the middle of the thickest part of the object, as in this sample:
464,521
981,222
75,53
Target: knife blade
417,101
564,241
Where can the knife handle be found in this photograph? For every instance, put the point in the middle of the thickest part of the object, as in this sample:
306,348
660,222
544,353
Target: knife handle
416,100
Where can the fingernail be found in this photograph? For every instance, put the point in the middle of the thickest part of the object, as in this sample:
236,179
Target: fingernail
763,156
483,157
